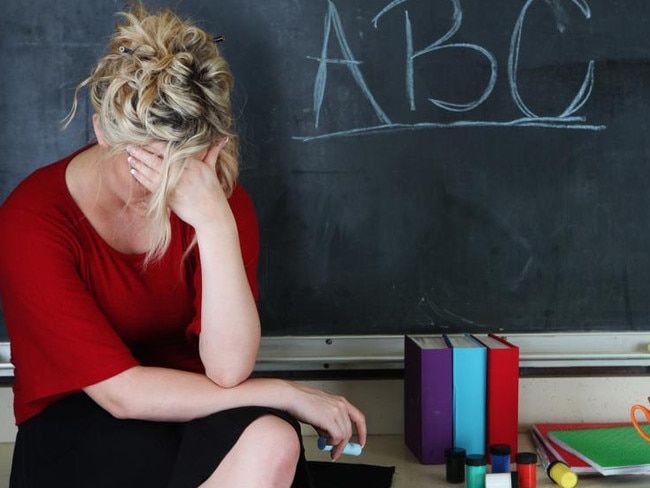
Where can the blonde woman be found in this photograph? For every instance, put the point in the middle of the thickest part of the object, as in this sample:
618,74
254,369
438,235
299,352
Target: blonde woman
128,280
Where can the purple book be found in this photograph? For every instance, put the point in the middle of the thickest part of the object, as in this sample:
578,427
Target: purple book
428,397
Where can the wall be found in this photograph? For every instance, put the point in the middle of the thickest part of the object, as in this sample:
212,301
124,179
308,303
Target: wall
541,399
7,427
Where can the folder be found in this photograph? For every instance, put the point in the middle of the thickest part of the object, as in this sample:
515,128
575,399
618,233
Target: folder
577,464
427,397
502,393
469,364
611,450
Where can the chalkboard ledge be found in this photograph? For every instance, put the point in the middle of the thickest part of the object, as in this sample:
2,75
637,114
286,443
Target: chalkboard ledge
538,351
625,352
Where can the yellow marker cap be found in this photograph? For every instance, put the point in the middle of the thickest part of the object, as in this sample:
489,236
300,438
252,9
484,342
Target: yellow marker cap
562,474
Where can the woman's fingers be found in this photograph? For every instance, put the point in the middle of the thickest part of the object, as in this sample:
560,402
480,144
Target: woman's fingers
151,155
212,156
197,193
341,432
332,416
147,160
145,166
359,420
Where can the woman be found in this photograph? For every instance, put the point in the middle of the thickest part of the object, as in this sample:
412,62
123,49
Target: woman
127,273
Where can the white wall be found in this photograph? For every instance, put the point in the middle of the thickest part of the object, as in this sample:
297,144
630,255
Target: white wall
7,427
565,399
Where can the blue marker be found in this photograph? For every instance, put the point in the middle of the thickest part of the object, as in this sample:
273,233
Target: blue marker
351,448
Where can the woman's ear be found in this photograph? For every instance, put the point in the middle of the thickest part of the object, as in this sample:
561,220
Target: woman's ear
99,133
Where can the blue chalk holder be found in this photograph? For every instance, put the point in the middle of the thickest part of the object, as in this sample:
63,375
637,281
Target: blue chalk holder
351,448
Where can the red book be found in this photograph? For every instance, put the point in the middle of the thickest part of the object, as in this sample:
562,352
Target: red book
428,397
502,402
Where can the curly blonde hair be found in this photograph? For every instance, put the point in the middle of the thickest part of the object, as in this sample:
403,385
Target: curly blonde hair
164,80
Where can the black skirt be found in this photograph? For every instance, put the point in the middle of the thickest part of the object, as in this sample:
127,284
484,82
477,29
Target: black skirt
77,444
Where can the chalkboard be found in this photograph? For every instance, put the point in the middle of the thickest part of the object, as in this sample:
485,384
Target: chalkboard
417,166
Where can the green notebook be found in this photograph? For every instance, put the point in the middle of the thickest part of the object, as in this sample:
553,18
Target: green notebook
611,450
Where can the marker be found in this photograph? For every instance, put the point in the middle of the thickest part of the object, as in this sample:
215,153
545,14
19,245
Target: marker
351,448
562,474
558,471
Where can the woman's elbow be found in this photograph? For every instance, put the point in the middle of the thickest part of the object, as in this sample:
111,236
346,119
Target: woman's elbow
228,377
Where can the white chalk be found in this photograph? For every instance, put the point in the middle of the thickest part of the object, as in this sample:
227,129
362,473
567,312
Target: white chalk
351,448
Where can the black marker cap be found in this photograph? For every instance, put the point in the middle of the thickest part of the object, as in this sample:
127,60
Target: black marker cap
526,458
475,460
500,449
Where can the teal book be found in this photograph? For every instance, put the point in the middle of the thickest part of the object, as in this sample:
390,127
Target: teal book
469,379
611,450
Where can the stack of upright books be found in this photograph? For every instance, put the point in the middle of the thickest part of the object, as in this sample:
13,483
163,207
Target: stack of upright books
460,390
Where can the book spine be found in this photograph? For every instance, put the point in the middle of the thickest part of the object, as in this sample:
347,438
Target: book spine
413,397
502,396
428,397
469,386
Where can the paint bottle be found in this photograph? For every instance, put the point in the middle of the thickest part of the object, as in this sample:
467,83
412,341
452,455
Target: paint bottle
498,480
476,467
527,469
455,464
500,458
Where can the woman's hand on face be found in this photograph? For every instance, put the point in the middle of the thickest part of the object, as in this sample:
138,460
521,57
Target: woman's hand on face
198,193
331,415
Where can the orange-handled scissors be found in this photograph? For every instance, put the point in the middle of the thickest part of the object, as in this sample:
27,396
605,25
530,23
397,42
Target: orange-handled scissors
635,422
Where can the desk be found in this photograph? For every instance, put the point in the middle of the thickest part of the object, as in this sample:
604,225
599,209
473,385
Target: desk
409,473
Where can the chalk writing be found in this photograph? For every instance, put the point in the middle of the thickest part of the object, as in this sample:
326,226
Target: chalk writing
333,19
567,119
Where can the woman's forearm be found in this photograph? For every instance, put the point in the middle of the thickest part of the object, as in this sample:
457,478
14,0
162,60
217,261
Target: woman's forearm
230,328
160,394
230,325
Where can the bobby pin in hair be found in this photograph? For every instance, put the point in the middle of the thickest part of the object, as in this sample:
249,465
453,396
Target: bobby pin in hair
219,39
126,50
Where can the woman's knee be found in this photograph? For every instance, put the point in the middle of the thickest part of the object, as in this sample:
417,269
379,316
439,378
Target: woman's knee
276,443
266,454
275,435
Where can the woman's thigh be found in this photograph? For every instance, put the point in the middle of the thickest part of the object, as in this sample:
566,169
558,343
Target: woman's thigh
77,444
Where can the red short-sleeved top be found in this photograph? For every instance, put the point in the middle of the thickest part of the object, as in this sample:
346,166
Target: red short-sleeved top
78,311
